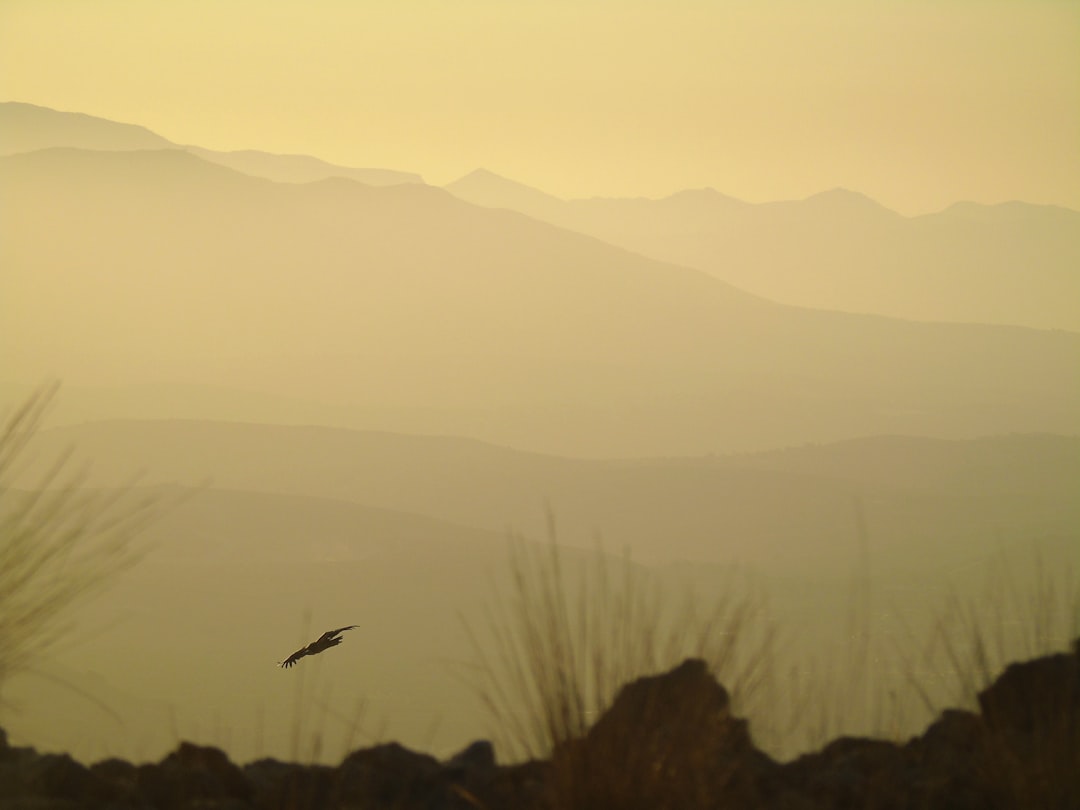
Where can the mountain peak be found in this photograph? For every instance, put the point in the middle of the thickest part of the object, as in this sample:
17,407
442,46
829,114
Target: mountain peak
839,194
486,179
491,190
846,201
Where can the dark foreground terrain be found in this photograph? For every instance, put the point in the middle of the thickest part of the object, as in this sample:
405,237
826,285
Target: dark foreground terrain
669,741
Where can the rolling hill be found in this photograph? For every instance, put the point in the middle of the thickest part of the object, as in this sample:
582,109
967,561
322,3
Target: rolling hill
927,504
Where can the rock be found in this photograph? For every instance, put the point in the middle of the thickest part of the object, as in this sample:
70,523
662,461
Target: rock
523,786
192,773
386,775
284,786
119,779
57,776
1034,697
950,764
668,740
1032,717
850,772
478,757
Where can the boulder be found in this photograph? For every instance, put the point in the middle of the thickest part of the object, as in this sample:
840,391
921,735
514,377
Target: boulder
387,775
668,740
284,785
1032,718
193,773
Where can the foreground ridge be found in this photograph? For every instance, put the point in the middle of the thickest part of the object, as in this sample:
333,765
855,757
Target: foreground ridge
668,741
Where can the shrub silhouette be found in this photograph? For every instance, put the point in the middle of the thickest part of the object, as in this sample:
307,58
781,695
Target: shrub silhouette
58,543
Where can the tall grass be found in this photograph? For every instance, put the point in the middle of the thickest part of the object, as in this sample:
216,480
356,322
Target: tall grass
1025,607
58,544
557,648
570,633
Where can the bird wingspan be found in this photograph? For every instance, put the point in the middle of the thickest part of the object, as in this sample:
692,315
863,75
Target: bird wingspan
329,634
326,640
292,659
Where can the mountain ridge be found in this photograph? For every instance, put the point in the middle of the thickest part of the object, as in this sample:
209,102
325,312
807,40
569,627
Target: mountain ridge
29,127
508,325
795,502
1010,263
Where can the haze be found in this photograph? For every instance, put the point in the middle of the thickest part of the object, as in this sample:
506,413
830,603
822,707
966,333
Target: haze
917,104
778,298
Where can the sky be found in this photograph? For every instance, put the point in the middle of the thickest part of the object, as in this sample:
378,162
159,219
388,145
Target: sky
917,103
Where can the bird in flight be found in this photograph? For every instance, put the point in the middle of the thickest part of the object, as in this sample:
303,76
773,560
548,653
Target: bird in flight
331,638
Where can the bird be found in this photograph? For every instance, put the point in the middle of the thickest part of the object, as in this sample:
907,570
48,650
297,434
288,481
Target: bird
331,638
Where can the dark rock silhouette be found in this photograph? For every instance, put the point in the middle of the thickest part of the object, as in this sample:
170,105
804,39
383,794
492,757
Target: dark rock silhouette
668,741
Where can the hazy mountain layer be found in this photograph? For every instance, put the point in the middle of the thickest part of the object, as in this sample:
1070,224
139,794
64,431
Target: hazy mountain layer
158,266
27,128
924,503
299,168
1010,264
1013,263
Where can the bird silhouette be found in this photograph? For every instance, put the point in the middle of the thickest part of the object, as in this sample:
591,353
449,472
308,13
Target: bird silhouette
331,638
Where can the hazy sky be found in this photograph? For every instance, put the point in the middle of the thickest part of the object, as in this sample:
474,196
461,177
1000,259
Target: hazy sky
915,102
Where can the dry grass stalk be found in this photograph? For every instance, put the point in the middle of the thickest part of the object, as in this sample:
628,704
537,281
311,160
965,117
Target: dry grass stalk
58,544
557,648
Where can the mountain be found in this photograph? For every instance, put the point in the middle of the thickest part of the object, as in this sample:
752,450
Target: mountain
1012,263
28,128
299,168
157,266
924,500
610,219
493,191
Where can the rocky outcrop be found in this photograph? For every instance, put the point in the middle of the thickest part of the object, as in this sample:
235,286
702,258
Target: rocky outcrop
668,741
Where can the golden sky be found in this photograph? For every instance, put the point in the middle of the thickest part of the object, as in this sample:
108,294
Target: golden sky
917,103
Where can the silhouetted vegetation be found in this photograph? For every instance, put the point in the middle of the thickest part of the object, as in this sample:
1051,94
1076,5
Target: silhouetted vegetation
603,690
58,543
571,680
562,643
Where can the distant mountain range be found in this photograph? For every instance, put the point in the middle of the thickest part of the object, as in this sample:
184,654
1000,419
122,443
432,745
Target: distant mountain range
923,500
28,127
1013,263
220,318
403,307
